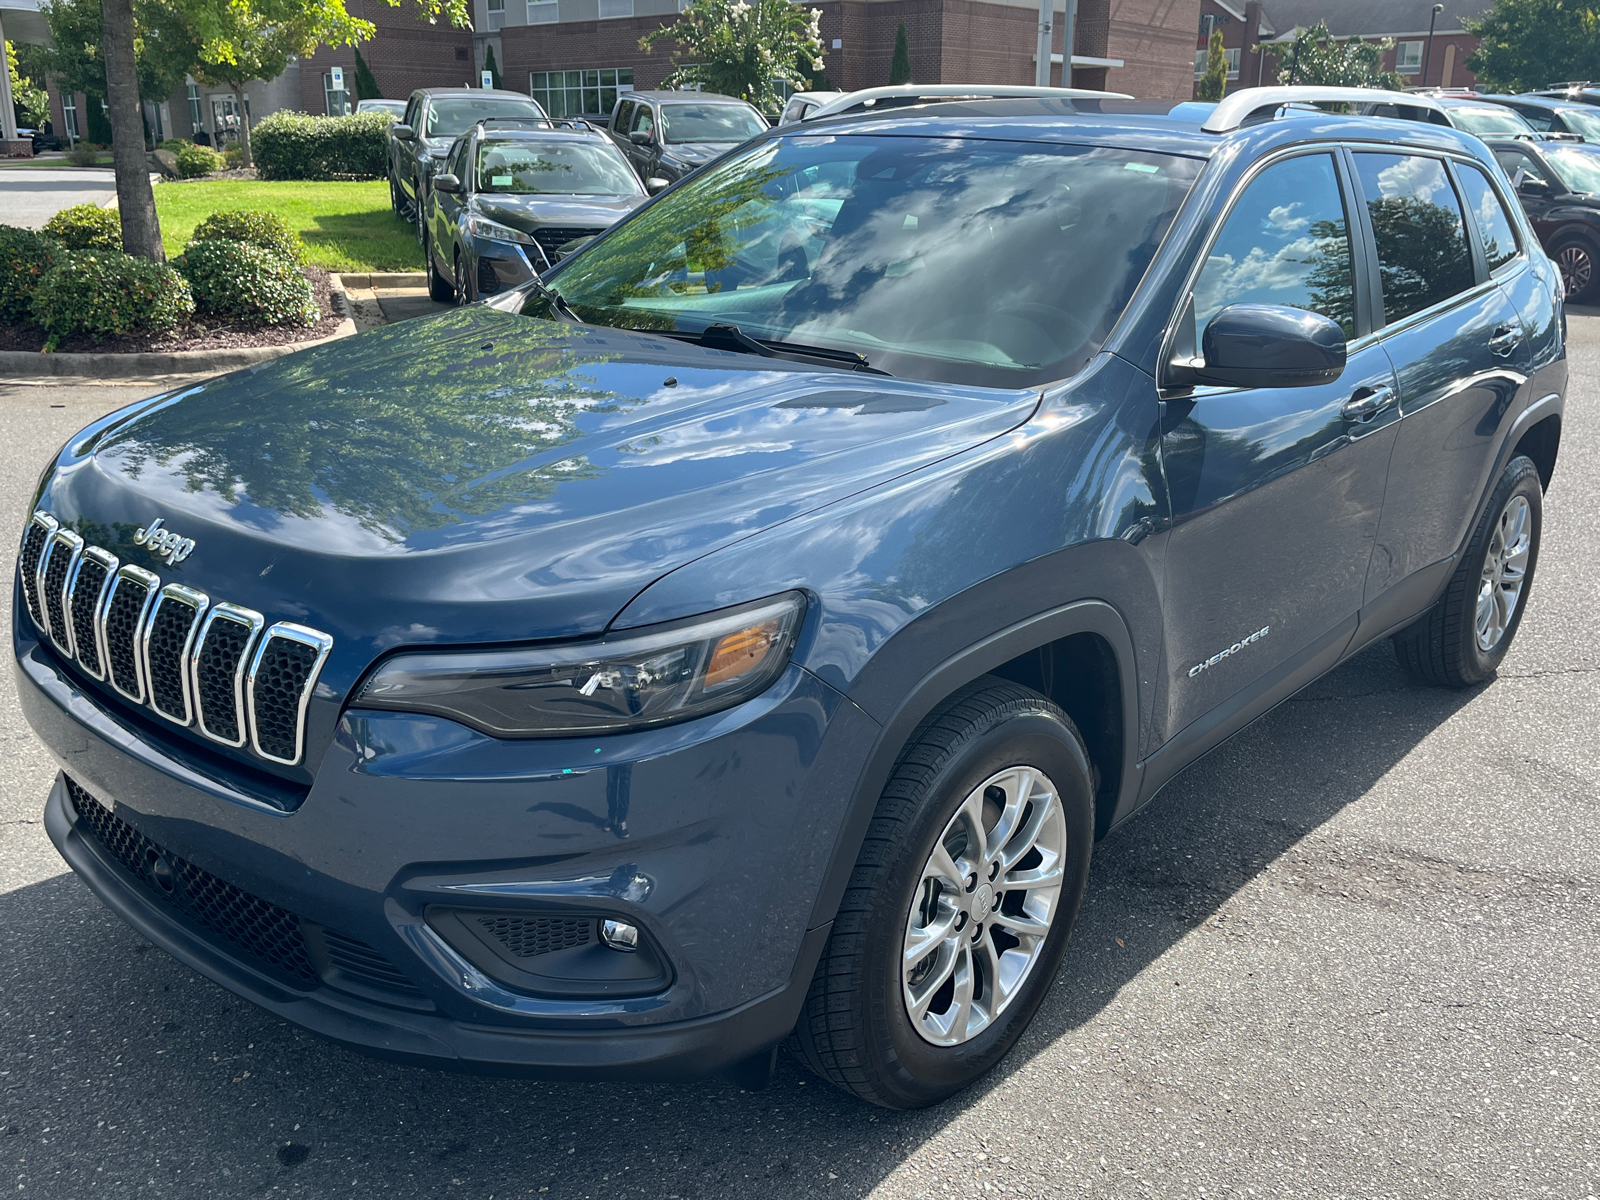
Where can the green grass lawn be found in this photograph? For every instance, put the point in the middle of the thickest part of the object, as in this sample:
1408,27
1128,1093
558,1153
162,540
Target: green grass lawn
346,226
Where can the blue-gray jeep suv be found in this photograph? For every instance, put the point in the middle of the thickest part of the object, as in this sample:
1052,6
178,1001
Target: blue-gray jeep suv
745,632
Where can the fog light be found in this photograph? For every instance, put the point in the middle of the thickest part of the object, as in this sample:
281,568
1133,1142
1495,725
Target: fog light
619,935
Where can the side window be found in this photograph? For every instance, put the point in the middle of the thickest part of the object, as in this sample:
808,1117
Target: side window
1285,242
1539,118
1418,229
645,120
411,114
1512,161
623,117
1495,229
457,164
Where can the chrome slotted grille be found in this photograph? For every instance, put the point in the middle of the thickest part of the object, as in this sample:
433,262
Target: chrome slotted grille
196,664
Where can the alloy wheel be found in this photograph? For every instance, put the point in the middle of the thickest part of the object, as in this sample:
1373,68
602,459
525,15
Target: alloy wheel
1505,571
1577,268
984,905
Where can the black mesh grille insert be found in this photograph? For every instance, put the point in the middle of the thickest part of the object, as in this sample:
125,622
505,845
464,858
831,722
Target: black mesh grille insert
362,961
281,678
85,593
264,931
528,937
32,547
122,628
220,654
553,237
55,579
169,634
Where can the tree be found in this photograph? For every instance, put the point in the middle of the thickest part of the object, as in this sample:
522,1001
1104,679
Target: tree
31,101
1527,44
491,66
900,65
1215,80
743,49
366,84
1317,57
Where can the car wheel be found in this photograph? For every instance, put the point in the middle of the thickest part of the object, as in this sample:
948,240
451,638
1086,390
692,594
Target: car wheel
466,291
439,288
1579,264
396,205
961,902
1462,639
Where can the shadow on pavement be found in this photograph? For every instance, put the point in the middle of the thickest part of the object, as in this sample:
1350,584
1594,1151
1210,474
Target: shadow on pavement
122,1067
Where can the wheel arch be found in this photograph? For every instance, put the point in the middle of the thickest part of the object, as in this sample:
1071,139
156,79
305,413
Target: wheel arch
1541,442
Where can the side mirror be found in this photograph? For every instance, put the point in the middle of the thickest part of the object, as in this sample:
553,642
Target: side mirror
404,132
1266,345
655,184
446,183
1528,184
639,137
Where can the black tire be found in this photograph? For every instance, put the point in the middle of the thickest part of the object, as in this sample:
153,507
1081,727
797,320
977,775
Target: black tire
1443,647
439,288
466,293
1578,260
396,205
854,1029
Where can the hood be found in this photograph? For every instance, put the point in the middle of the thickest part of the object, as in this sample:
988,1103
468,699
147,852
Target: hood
485,477
565,212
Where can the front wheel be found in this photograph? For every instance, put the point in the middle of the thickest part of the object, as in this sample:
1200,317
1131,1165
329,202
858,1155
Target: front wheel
1580,270
1462,639
961,903
439,288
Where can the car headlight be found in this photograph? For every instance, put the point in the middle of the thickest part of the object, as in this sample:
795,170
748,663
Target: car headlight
650,676
480,226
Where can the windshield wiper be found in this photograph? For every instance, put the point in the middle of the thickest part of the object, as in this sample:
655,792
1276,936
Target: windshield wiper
731,337
558,303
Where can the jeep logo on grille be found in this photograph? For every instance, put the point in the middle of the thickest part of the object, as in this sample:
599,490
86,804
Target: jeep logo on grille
163,543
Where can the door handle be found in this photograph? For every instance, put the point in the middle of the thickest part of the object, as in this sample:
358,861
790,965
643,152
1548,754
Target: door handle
1505,339
1367,403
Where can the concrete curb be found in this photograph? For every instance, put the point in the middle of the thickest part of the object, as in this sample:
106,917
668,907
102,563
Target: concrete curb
385,279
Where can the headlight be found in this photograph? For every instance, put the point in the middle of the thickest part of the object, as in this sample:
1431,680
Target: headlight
635,678
480,226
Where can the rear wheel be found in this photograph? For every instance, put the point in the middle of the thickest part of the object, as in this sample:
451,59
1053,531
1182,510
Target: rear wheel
961,903
1579,263
1462,639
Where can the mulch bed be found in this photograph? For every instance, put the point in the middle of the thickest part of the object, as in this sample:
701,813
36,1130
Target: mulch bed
200,334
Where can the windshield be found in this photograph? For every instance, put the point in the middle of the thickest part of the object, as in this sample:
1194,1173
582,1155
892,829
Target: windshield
1488,120
456,115
568,168
710,122
1000,263
1583,121
1578,167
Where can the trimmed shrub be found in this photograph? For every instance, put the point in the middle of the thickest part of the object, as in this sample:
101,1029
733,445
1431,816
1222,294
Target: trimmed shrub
24,259
175,144
85,227
194,161
105,293
233,157
289,145
232,279
253,227
84,154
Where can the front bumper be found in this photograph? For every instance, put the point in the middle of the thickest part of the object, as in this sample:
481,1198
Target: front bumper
706,835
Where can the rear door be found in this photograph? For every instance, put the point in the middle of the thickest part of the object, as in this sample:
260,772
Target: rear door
1458,349
1276,493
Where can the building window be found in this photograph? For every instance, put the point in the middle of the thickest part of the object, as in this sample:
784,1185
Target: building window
69,114
1408,58
497,15
615,8
573,93
1232,57
337,103
543,12
196,120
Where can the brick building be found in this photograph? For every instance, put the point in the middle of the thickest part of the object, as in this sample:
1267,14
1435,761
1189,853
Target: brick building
1276,22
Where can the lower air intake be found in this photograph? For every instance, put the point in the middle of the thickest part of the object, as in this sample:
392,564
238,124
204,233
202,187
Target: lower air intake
529,937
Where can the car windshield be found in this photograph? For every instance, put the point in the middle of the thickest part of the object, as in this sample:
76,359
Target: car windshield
709,122
567,168
1585,122
998,263
1488,120
1578,167
455,115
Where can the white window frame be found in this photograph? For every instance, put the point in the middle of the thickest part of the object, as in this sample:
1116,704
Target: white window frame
543,12
1230,56
612,10
69,114
496,10
1408,58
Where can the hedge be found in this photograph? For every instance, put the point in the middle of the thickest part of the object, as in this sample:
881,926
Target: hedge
194,161
85,227
25,257
253,227
233,279
106,293
288,145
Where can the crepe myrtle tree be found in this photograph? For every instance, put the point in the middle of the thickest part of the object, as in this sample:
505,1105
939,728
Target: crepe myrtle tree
743,49
1317,57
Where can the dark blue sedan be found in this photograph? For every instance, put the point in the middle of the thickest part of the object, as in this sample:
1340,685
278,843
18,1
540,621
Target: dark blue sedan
747,629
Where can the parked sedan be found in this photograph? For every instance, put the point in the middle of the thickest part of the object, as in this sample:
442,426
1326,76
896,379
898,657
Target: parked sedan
509,200
1558,183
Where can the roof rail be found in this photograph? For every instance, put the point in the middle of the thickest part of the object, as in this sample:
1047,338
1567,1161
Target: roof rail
490,124
1236,109
901,95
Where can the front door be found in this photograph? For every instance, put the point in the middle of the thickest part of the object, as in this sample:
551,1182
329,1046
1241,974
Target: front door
1276,492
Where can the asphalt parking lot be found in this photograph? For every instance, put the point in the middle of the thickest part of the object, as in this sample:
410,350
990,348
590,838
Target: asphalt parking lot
1350,954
